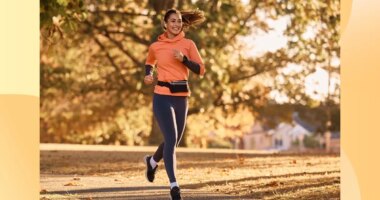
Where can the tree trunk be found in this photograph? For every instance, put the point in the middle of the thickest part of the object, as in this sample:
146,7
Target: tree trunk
183,142
161,5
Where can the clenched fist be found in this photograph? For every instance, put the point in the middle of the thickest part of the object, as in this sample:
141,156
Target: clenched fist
148,79
178,55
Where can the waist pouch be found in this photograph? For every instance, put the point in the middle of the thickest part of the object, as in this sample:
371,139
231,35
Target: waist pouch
175,86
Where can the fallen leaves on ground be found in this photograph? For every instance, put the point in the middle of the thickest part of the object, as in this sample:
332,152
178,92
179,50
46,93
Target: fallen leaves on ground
43,191
267,177
72,184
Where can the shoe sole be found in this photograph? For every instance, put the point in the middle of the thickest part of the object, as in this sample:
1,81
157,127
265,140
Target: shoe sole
146,171
170,197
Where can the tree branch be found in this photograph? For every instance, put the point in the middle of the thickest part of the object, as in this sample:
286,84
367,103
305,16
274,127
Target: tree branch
129,34
111,60
253,11
132,35
120,46
114,12
116,43
250,75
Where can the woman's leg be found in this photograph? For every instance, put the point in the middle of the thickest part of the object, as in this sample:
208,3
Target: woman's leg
165,115
158,155
180,108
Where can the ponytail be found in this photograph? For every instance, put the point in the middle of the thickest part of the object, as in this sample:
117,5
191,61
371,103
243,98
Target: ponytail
189,17
192,18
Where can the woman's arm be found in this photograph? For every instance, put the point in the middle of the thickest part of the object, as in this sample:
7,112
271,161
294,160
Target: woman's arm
148,70
193,66
194,62
149,63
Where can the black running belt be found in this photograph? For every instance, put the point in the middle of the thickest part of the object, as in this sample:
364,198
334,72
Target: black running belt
164,84
167,84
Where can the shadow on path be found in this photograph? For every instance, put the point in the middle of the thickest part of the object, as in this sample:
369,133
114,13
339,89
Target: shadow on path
200,185
109,189
136,193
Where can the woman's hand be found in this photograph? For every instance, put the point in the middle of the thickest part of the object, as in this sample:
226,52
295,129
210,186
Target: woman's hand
178,55
148,79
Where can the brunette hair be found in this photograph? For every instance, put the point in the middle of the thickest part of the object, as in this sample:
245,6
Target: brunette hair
189,17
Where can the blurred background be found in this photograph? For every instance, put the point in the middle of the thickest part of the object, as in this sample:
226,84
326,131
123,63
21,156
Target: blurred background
272,77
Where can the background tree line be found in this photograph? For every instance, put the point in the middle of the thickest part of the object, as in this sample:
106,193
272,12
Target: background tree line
92,66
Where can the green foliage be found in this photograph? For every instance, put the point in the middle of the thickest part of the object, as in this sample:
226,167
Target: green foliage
296,143
273,114
311,142
219,143
59,16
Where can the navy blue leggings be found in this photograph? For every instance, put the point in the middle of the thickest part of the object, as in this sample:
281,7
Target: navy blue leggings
170,113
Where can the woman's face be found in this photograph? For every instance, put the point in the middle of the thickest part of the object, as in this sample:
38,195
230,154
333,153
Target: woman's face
174,24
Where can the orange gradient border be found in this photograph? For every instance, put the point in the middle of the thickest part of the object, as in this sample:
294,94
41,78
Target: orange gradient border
19,99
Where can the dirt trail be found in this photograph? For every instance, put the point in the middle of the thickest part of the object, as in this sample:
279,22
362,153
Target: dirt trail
111,172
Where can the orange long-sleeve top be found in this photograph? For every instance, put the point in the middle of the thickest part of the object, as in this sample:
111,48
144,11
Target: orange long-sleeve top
161,55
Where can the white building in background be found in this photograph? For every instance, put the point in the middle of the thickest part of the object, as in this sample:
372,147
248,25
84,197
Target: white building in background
282,140
284,137
331,141
259,138
291,135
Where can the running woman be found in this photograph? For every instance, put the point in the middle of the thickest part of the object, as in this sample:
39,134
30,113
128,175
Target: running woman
173,55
